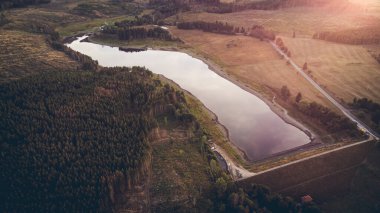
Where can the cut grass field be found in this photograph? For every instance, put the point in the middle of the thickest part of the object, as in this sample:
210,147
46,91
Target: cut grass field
23,54
305,21
252,62
348,71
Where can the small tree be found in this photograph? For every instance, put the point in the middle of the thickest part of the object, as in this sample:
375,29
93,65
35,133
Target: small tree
294,34
3,19
285,92
221,186
298,97
304,66
279,41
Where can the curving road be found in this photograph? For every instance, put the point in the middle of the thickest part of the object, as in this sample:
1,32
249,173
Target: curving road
362,126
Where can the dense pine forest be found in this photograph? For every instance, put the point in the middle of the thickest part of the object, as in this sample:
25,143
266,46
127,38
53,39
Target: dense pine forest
228,197
67,138
5,4
70,141
137,28
368,110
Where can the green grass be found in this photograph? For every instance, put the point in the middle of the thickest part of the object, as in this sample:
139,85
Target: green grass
88,26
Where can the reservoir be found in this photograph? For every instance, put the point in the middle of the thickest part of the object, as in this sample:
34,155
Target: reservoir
253,127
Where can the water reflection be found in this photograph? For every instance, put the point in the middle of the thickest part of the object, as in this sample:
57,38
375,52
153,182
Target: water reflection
253,127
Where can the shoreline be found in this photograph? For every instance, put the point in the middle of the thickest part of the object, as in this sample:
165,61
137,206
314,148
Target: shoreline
276,108
213,117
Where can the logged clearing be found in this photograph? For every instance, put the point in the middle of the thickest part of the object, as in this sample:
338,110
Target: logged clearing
23,54
179,171
254,63
347,71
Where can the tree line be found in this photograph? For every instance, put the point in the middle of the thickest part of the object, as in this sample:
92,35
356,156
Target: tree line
142,33
223,7
370,108
331,121
214,27
254,198
280,43
5,4
130,29
137,21
360,36
256,31
53,39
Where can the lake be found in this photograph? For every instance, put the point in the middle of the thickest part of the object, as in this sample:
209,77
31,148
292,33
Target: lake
253,127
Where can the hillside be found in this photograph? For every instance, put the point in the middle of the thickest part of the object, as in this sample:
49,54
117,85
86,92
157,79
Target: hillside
24,54
78,147
78,137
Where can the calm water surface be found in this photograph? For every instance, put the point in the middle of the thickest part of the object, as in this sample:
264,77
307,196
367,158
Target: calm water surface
253,127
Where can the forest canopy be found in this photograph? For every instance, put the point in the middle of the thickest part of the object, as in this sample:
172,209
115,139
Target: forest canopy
5,4
67,137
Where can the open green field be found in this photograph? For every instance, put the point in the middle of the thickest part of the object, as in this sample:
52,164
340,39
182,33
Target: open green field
347,71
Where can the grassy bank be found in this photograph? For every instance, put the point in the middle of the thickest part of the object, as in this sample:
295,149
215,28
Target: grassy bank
215,131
